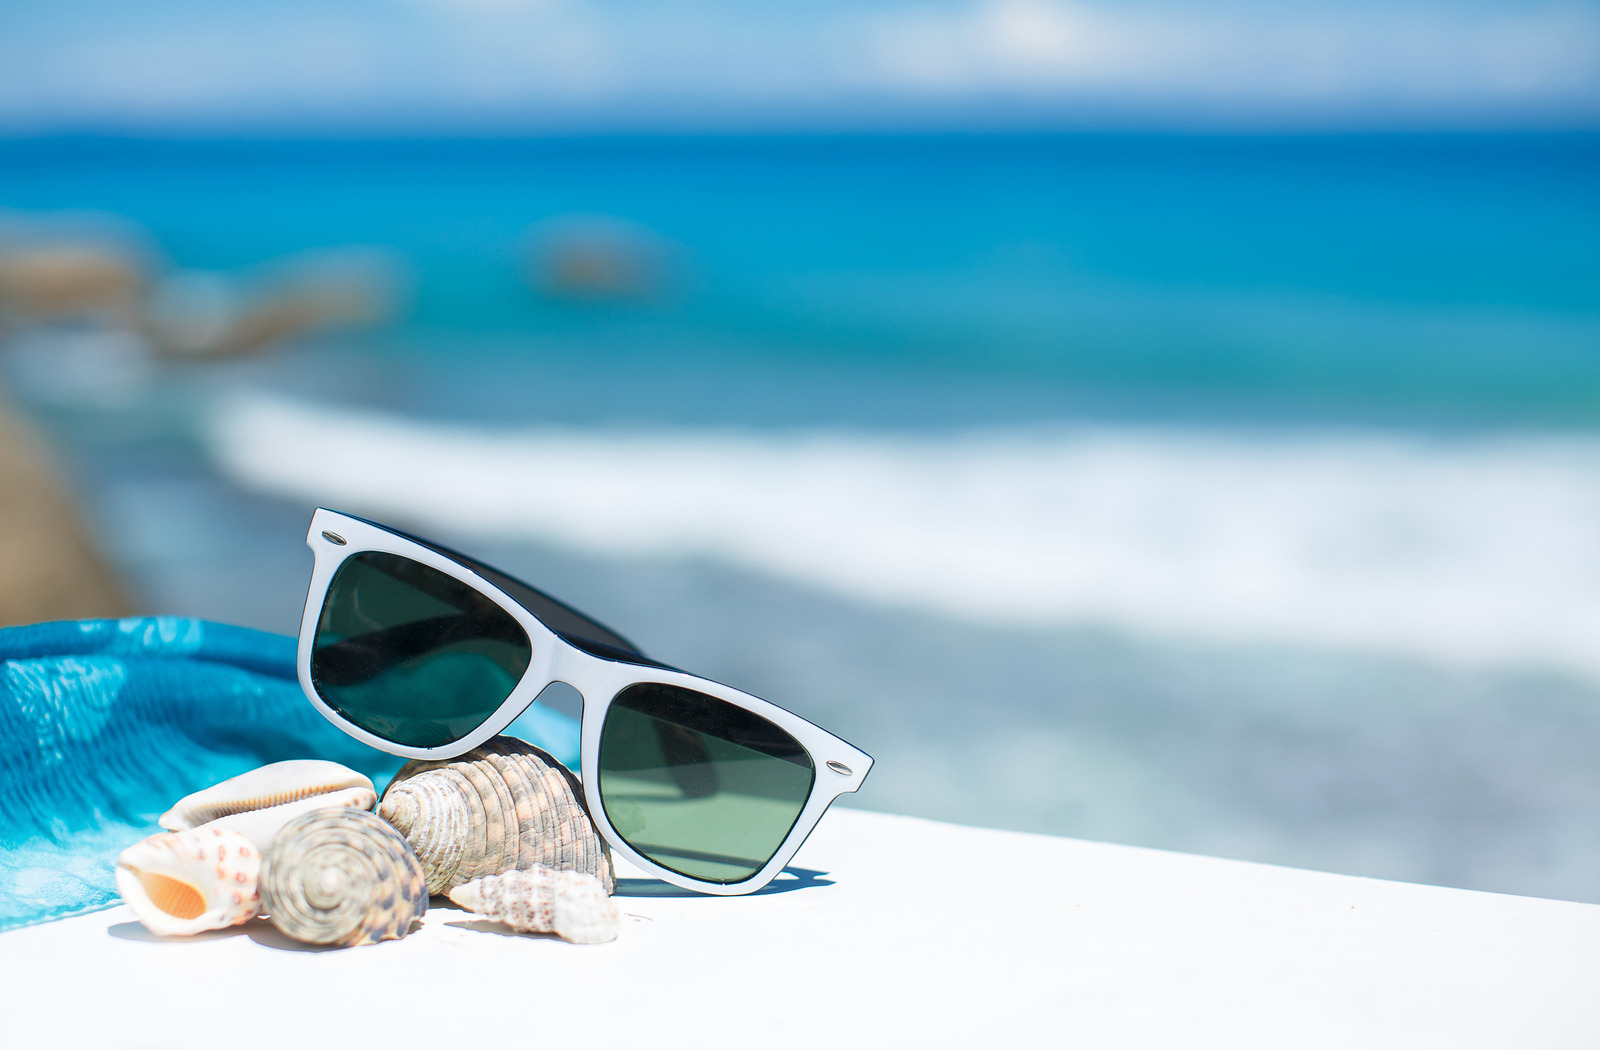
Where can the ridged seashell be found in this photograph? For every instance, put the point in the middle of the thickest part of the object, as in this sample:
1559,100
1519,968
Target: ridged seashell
261,826
340,875
570,904
270,785
501,806
185,882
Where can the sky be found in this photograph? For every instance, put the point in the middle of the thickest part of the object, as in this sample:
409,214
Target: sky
480,65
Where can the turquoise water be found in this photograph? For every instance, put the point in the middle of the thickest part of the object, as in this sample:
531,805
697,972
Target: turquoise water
932,279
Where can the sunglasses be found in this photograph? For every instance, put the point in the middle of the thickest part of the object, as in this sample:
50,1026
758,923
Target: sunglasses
420,651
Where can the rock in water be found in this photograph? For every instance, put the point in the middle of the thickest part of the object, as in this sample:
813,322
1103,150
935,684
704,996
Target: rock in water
48,561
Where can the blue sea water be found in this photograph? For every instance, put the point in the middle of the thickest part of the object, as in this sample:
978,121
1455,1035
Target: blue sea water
929,279
1284,447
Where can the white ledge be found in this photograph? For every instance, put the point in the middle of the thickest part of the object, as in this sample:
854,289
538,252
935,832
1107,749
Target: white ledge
914,933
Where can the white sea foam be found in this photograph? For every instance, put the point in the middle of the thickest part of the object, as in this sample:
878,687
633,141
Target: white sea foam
1475,552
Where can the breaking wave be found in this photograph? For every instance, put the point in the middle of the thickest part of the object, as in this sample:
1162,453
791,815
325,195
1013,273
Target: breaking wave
1475,551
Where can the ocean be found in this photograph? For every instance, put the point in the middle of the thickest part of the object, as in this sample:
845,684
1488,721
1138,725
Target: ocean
1231,494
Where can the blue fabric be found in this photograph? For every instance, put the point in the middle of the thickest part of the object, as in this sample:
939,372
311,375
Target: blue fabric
105,723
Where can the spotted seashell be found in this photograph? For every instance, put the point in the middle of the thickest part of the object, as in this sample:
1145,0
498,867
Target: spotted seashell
342,876
185,882
271,785
501,806
570,904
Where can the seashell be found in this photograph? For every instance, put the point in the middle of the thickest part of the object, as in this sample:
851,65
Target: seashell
186,882
339,875
261,826
501,806
270,785
570,904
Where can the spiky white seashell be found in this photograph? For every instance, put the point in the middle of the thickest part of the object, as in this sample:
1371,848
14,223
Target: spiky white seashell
342,876
501,806
270,785
186,882
261,826
570,904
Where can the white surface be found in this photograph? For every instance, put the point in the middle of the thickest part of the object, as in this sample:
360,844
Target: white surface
925,934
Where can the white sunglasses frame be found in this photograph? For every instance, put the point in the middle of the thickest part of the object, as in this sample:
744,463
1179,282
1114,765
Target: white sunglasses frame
838,767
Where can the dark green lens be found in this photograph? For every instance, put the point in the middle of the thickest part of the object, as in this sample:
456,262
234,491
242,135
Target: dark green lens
700,786
412,654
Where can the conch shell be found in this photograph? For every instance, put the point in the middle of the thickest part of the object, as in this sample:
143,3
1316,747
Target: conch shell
268,787
341,876
186,882
569,904
501,806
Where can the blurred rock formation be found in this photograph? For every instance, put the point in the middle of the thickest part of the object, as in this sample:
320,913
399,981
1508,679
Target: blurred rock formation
196,315
55,281
63,280
49,568
597,259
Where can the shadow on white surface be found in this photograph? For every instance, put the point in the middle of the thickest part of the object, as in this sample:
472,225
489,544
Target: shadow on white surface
136,931
500,928
258,930
269,936
790,879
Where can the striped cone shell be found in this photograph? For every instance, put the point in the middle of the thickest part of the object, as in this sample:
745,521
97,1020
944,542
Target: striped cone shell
503,805
342,876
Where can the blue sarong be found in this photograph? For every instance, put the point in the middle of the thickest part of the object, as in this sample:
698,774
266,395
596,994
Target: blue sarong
104,724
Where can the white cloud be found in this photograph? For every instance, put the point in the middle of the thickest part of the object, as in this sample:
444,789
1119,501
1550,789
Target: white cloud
1255,57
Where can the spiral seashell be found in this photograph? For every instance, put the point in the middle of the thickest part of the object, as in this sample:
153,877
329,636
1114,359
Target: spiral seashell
270,785
501,806
342,876
187,882
570,904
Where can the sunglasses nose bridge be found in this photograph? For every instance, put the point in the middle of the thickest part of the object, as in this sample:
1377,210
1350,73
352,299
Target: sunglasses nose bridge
588,675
